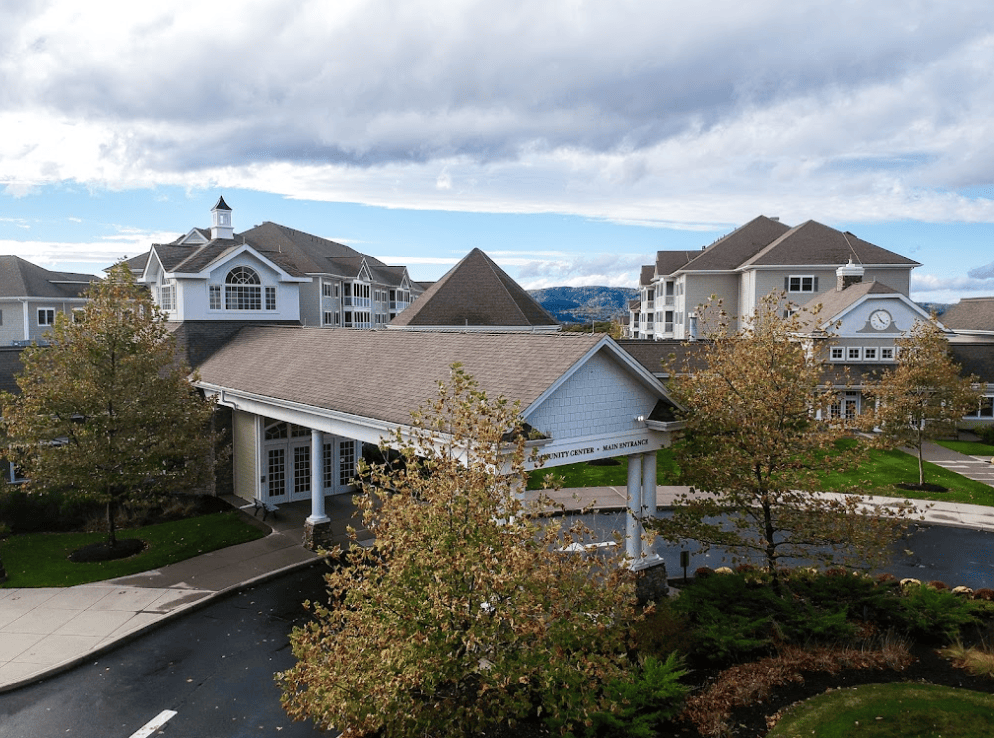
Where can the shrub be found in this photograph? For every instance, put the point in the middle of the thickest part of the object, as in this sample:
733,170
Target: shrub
986,434
661,631
703,571
984,594
936,584
654,695
934,613
732,620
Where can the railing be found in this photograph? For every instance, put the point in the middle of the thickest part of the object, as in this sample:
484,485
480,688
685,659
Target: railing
349,300
398,304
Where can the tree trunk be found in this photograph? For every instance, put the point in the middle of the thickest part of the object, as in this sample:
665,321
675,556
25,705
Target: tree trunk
771,550
111,533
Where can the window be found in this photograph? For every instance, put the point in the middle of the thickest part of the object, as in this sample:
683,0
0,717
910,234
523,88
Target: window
985,410
326,289
215,296
346,462
301,469
270,298
887,354
806,283
668,321
46,316
242,289
853,353
669,293
869,354
837,354
326,470
167,298
329,318
78,314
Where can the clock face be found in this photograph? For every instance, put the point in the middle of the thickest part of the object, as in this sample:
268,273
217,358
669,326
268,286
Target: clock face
880,319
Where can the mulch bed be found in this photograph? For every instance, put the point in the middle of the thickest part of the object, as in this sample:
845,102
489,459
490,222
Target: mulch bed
104,551
927,487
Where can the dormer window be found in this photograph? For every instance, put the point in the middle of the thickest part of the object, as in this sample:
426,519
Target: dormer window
243,290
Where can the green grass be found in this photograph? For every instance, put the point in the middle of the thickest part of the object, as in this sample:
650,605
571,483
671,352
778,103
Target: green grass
970,448
880,474
885,469
584,474
891,711
41,559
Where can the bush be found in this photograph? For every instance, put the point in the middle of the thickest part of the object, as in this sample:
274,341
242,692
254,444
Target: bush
36,513
661,631
654,695
861,596
935,613
985,433
732,620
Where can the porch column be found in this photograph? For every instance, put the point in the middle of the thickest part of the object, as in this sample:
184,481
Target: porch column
317,479
648,485
633,531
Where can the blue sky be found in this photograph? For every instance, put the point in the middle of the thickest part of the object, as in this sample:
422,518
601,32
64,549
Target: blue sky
569,140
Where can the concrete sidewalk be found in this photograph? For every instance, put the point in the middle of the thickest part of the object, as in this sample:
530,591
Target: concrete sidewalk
48,630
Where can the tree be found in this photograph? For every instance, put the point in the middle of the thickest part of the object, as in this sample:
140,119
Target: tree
759,432
105,411
924,396
467,612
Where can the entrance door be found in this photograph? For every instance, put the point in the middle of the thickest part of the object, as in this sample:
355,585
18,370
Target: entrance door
276,473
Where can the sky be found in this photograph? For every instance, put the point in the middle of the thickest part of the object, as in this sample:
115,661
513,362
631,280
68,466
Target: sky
568,139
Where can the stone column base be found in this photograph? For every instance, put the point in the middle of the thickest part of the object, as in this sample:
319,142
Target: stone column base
318,535
651,583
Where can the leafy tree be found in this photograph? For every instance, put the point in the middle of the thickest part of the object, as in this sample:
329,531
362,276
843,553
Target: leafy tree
759,433
467,612
105,411
924,396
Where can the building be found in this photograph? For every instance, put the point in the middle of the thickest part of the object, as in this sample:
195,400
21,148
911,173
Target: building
210,282
746,265
31,297
971,321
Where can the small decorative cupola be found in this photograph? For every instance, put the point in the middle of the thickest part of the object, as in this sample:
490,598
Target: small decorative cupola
221,221
848,274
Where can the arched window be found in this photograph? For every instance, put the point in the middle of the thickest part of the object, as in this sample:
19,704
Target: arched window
242,289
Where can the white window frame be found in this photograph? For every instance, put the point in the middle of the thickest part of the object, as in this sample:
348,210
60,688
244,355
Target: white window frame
854,353
806,283
887,353
837,353
870,353
48,311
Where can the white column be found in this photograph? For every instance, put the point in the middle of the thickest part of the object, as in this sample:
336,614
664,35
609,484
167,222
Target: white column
317,479
633,531
648,485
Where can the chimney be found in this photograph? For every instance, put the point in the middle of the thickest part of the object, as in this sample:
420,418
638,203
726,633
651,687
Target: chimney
848,274
221,221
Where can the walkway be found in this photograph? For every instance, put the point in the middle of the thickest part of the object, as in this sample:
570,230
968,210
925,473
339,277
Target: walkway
48,630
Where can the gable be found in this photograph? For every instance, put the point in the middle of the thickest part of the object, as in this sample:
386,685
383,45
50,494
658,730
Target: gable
878,315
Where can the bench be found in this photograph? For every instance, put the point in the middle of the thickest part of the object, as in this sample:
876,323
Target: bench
266,507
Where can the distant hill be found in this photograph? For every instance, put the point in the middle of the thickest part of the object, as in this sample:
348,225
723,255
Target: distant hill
935,307
581,304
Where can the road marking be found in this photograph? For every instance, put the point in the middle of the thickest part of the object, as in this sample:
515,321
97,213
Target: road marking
154,724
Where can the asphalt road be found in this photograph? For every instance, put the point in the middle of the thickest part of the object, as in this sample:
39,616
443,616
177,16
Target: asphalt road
214,668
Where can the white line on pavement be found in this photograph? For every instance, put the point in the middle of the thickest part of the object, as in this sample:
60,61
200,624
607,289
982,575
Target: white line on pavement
154,724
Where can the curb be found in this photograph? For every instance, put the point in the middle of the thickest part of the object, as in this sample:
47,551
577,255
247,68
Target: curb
125,639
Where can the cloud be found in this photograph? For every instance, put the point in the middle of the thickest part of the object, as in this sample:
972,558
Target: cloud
846,111
982,272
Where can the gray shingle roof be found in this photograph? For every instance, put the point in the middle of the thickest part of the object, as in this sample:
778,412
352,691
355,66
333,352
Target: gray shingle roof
387,374
668,262
731,251
646,274
970,314
812,243
21,278
475,292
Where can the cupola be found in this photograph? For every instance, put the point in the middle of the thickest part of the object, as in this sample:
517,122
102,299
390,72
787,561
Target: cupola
221,221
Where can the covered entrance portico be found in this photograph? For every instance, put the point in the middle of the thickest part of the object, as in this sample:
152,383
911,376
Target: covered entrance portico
293,424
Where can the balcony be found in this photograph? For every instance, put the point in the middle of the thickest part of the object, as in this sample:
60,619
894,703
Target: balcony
398,305
351,301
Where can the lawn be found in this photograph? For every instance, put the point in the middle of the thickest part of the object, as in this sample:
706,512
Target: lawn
891,711
885,469
41,559
584,474
970,448
878,476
